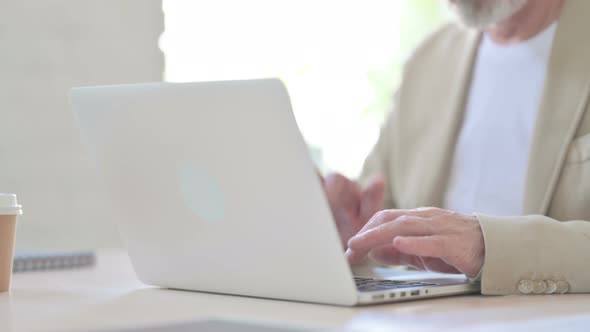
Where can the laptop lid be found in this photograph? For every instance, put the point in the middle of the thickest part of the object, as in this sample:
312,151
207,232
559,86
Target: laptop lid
214,189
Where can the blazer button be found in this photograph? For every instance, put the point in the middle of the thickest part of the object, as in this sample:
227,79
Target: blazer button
562,287
551,287
539,286
525,286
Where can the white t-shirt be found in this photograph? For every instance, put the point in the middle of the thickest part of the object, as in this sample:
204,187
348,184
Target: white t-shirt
490,164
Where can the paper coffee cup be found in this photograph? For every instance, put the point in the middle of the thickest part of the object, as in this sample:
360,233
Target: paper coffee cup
9,210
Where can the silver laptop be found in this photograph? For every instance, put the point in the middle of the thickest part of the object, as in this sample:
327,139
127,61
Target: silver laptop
213,190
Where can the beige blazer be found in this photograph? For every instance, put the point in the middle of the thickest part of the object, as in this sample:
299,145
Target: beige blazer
415,149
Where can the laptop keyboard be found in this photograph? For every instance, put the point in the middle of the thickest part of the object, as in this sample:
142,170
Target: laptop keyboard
372,285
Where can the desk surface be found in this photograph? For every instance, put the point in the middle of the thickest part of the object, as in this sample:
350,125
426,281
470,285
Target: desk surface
109,295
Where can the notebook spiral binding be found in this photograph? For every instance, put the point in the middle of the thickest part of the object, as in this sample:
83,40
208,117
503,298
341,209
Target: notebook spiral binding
41,261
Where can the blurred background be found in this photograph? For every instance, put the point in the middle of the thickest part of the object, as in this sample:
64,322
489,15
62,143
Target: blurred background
341,61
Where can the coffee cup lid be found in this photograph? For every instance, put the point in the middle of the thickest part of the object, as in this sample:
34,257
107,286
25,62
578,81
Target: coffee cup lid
8,205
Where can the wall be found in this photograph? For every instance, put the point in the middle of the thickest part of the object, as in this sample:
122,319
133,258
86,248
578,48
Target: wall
46,47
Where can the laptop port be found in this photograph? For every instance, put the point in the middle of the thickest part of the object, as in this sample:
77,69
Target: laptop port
402,294
379,297
392,295
414,293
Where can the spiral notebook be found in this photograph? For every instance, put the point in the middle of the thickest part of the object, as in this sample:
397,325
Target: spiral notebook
51,260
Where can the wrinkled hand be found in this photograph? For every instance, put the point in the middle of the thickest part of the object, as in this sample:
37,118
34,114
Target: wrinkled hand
352,206
429,239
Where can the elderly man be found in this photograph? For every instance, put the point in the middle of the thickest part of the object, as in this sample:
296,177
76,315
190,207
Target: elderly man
492,124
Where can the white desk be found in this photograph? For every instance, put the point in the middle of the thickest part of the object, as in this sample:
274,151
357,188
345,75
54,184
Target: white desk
109,295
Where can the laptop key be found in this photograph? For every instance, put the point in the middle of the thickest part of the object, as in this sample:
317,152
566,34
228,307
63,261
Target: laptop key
371,285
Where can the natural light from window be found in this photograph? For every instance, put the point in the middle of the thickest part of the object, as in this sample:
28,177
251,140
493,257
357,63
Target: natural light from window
340,60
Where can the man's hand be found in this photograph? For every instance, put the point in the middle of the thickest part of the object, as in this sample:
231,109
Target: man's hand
429,239
352,206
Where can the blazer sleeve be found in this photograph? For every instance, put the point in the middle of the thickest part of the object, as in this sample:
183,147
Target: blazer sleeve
535,255
378,160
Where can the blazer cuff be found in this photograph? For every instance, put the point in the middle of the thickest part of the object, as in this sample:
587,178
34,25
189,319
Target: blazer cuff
533,254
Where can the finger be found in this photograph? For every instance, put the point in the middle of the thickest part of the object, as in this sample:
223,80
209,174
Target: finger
384,234
386,216
437,265
390,255
355,257
428,246
333,183
359,246
342,192
372,198
381,218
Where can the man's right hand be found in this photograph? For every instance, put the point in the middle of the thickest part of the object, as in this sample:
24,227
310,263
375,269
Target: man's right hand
351,205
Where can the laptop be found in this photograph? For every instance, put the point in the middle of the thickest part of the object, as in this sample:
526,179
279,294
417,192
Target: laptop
213,190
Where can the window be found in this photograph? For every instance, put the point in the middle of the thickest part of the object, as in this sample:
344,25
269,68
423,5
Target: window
340,60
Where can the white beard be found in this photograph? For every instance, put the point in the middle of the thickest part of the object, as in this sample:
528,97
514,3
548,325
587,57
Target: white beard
481,14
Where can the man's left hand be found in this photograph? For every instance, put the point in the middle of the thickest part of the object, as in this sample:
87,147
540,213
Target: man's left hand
429,239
